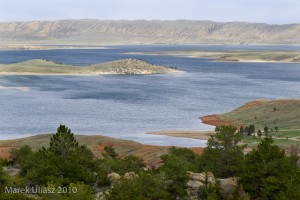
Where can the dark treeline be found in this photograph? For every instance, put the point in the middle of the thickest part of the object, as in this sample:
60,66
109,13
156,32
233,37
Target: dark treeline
266,172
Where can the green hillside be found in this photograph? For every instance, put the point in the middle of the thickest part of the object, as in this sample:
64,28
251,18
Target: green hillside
283,113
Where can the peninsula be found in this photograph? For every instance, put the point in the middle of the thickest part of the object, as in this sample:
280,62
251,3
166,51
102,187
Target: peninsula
46,67
278,117
282,113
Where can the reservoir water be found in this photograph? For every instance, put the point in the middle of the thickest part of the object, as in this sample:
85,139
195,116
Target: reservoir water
127,106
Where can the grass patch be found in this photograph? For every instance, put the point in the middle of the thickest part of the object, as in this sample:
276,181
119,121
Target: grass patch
283,113
287,133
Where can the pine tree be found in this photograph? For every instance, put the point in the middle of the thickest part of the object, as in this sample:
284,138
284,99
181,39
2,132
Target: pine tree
259,134
242,130
63,142
266,129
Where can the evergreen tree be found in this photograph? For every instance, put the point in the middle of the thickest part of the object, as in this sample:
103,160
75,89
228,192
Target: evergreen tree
63,142
246,130
63,162
223,155
270,174
266,129
176,164
250,129
147,186
259,134
242,130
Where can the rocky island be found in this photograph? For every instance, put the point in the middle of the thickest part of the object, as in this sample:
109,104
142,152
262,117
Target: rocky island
46,67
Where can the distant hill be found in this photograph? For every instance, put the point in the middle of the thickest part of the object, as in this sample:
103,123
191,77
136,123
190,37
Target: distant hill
46,67
105,32
151,154
283,113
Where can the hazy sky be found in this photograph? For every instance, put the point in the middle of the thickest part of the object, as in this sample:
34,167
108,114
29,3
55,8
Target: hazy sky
267,11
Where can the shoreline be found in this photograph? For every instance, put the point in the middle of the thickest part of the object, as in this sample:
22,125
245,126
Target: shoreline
50,46
78,74
229,56
199,135
213,120
54,74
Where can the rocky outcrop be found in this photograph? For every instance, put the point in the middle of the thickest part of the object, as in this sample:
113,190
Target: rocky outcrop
228,186
199,181
11,171
113,177
130,66
130,175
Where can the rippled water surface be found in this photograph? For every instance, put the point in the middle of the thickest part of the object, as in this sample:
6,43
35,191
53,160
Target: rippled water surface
127,106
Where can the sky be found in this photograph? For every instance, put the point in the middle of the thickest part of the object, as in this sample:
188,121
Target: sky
261,11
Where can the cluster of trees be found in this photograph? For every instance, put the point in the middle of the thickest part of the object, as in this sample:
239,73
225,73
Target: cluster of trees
266,172
248,130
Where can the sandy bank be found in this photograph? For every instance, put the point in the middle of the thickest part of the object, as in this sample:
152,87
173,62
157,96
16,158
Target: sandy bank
52,74
24,89
201,135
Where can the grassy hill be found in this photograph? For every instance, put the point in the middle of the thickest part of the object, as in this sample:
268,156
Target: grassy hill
151,154
45,67
96,143
283,113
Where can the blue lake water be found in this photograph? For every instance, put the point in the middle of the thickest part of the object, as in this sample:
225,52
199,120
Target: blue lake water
127,106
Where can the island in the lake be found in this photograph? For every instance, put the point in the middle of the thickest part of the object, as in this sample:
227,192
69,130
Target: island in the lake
46,67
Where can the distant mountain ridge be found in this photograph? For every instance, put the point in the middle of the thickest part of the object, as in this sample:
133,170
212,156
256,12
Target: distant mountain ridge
105,32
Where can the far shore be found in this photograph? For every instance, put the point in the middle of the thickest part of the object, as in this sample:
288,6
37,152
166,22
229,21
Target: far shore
244,56
48,47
